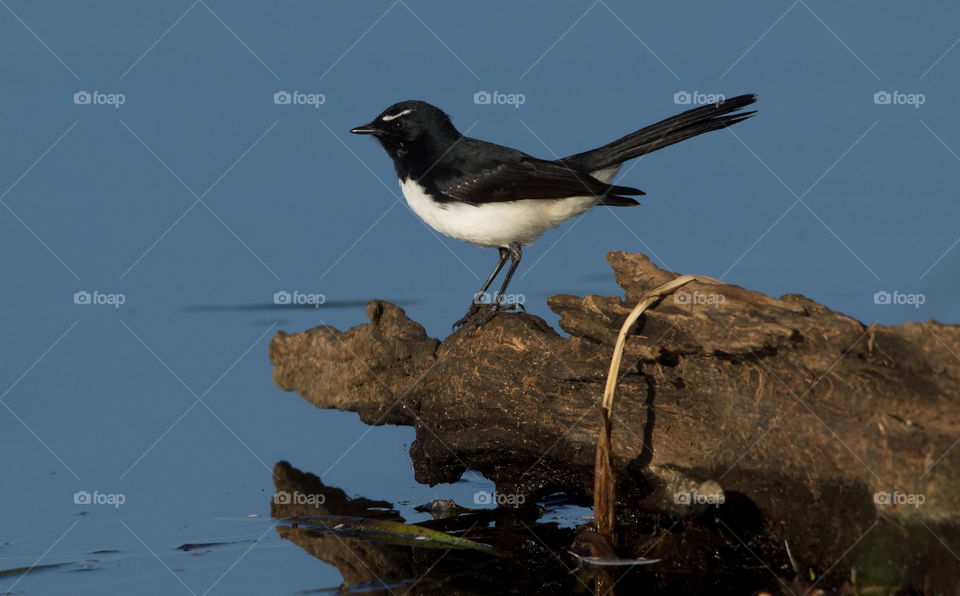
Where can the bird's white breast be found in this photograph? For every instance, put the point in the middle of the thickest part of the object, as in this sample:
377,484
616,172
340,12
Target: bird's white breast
493,224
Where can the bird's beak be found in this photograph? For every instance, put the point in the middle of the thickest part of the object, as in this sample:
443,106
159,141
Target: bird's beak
367,129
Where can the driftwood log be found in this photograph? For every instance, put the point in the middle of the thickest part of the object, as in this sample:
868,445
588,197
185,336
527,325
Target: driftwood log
810,423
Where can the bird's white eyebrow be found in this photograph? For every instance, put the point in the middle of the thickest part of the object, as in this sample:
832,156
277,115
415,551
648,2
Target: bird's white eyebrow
395,116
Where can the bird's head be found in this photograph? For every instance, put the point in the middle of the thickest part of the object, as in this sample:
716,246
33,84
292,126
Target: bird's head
410,123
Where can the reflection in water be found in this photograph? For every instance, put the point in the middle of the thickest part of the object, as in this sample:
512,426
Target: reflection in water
525,556
191,546
503,551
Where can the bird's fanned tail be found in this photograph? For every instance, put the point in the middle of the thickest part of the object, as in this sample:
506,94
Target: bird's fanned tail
663,134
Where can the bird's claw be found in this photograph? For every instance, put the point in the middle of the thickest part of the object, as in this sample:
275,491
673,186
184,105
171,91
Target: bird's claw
474,307
489,313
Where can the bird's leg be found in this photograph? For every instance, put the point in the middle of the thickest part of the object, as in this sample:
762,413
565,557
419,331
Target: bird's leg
516,253
475,303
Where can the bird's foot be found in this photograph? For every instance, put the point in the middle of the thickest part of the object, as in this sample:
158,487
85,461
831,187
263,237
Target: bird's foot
492,311
474,307
489,312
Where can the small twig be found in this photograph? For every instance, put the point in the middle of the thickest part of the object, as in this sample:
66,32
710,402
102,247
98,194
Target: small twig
604,497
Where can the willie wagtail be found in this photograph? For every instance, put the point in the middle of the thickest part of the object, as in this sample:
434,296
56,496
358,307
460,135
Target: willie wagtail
491,195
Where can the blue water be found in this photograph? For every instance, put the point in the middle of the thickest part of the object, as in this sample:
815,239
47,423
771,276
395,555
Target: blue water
199,191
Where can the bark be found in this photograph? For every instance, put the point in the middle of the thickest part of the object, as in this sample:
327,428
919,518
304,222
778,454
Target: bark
798,416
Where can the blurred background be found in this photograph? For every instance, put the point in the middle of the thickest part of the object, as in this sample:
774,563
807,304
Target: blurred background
167,168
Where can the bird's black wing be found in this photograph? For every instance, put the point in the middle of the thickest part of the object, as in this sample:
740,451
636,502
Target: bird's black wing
528,178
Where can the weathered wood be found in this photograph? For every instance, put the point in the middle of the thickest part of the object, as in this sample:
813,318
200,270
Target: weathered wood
799,413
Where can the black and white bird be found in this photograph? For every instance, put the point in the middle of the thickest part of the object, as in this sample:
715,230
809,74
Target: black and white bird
495,196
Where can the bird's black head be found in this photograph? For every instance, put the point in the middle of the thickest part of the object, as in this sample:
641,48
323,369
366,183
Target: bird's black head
411,125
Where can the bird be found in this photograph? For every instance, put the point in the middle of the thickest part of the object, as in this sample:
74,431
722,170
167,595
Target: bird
495,196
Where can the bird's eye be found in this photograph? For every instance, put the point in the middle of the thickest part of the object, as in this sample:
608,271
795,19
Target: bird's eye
397,125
